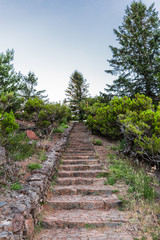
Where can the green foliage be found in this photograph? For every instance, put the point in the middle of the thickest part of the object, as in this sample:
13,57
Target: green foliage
135,61
133,120
77,92
61,128
97,142
103,118
46,115
10,81
33,166
90,226
10,101
28,89
18,148
33,106
139,182
8,124
16,186
42,155
141,133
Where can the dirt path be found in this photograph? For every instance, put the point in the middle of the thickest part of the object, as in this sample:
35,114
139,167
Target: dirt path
80,206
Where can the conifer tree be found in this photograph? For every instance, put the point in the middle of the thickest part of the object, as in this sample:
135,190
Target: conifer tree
29,87
10,81
135,60
77,92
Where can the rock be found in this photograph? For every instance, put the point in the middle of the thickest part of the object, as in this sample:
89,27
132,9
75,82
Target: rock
6,225
31,135
2,204
17,223
36,177
2,156
30,142
19,208
6,236
29,227
39,145
47,147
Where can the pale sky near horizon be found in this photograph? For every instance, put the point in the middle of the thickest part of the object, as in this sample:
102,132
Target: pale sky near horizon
53,38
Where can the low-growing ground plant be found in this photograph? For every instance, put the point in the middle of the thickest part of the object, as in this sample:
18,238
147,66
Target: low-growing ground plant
97,142
138,181
33,166
61,128
16,186
42,155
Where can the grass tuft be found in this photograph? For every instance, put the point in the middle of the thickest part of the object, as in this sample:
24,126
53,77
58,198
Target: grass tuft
18,147
97,142
42,155
33,166
139,183
16,186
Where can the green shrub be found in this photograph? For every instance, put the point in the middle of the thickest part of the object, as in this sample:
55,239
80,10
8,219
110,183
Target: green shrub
18,147
141,133
46,115
33,166
7,123
133,120
33,105
104,119
61,128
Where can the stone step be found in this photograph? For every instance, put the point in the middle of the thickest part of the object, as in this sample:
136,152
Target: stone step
82,219
93,173
79,153
80,167
88,233
75,162
79,180
83,202
79,157
82,189
77,148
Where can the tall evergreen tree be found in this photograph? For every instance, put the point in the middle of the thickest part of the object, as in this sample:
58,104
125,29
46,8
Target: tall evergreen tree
10,81
135,61
29,87
77,92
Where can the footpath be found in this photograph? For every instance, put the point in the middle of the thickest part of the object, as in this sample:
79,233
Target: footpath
80,206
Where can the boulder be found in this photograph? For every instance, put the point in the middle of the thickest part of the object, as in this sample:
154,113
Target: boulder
31,135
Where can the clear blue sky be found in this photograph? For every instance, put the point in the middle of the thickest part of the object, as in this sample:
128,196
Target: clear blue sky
53,38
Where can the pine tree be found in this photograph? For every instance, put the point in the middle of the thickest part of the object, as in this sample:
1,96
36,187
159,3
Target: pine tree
10,81
77,92
29,87
135,61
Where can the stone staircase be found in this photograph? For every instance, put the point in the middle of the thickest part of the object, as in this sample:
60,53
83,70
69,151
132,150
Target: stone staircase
80,205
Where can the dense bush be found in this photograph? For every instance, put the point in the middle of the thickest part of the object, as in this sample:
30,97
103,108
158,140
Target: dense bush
142,134
46,115
104,118
7,126
135,120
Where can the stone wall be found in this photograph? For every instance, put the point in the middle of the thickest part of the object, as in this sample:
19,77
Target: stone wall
18,214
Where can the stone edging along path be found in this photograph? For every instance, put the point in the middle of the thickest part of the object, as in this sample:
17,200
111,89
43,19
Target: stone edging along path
18,215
